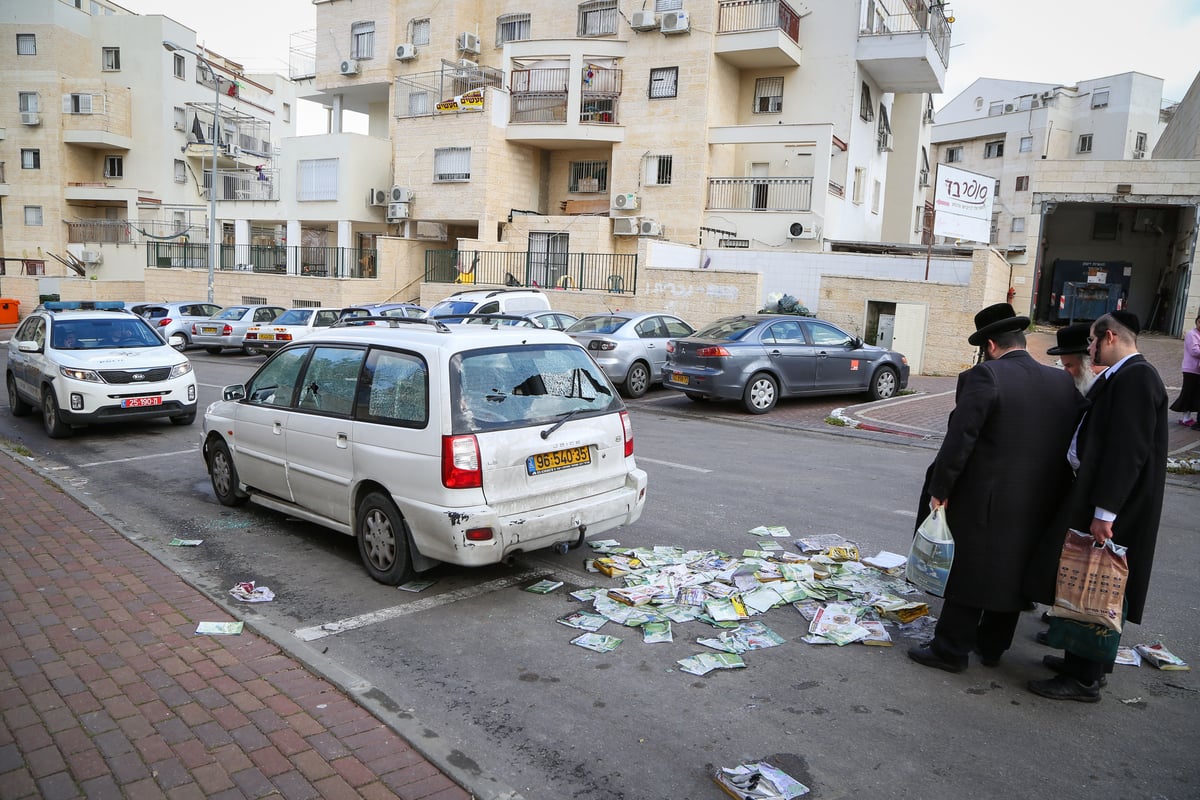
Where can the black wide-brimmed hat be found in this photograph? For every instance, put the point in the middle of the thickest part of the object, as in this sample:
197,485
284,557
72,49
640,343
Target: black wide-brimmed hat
1071,340
995,320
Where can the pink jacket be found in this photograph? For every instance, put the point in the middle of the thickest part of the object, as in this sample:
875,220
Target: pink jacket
1191,351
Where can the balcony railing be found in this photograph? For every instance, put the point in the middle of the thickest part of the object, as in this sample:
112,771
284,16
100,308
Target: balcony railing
318,262
889,17
246,184
607,272
540,95
103,231
760,194
739,16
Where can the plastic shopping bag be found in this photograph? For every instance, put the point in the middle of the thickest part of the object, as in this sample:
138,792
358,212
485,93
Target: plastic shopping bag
931,554
1091,581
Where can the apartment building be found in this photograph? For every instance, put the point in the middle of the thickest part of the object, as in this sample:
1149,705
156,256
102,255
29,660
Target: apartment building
547,139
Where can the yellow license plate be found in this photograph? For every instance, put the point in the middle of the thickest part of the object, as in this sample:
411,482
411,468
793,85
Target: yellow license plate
266,337
677,378
559,459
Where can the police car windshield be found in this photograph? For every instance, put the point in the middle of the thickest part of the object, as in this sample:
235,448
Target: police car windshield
100,334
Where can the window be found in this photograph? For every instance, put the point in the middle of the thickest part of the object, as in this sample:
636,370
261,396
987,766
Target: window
768,95
178,65
1139,145
1085,143
876,193
953,154
588,176
511,28
331,380
399,390
27,46
1104,225
598,18
1026,145
919,219
180,171
993,149
1025,102
996,108
923,178
860,178
362,40
179,118
31,158
114,167
1022,183
1018,224
826,335
658,170
286,112
27,102
420,31
317,179
667,5
866,107
928,116
77,104
418,103
110,59
33,215
1100,98
664,82
452,164
883,133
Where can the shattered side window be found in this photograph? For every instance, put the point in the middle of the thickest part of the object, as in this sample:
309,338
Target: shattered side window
276,382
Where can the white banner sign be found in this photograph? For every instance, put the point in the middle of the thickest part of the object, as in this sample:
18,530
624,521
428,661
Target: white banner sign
962,203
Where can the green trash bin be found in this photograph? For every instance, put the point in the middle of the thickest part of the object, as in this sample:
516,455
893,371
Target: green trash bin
8,310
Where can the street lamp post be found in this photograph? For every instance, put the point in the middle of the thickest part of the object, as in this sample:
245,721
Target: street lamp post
212,187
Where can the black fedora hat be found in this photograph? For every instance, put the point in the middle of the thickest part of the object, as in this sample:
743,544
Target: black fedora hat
1071,340
994,320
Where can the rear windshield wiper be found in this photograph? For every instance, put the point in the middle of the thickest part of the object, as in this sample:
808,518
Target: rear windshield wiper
562,420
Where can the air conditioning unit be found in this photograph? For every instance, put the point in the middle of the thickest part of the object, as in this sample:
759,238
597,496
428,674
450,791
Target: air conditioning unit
378,197
401,194
1009,107
349,67
675,22
397,211
626,202
31,118
797,231
626,226
644,21
649,227
92,257
468,42
179,126
406,51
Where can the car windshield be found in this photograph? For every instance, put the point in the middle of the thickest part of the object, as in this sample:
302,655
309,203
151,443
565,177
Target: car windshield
514,387
235,312
728,329
605,323
102,334
448,307
294,316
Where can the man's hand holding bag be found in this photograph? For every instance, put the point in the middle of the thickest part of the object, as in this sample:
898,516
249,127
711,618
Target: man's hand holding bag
931,554
1091,581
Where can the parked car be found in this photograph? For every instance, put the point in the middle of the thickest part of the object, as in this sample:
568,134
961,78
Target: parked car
630,348
81,363
174,320
228,328
490,301
554,320
759,358
291,325
430,442
411,310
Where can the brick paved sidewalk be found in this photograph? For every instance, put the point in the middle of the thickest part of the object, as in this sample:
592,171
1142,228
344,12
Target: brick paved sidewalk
106,690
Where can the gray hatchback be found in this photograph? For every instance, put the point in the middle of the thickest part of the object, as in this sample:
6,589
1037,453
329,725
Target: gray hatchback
759,358
228,328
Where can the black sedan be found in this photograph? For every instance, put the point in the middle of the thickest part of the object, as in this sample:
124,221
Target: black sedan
759,358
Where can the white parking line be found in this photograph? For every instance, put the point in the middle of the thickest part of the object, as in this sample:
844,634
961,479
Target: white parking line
131,458
672,464
384,614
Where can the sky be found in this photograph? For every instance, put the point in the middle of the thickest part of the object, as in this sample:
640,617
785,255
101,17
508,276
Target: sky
1050,41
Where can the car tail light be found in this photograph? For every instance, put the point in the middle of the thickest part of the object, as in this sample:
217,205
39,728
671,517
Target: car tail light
252,335
283,337
194,331
480,534
164,322
601,344
460,462
225,331
716,351
670,345
628,426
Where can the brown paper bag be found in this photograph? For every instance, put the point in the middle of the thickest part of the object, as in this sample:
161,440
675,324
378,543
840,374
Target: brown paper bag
1091,581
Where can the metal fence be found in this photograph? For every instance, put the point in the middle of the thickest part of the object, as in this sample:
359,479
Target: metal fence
756,15
608,272
760,194
907,16
319,262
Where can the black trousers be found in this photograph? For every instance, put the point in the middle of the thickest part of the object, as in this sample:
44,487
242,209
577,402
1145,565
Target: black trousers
962,629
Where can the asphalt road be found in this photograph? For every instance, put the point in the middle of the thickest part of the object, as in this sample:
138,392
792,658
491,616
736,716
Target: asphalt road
476,672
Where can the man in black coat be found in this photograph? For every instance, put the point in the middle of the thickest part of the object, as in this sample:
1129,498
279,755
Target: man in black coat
1120,456
998,475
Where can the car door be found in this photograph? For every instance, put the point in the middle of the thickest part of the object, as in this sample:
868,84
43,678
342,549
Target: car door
27,367
791,354
320,433
259,441
654,332
840,365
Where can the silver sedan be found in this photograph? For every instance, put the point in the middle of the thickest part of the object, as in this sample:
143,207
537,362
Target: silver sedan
630,348
228,328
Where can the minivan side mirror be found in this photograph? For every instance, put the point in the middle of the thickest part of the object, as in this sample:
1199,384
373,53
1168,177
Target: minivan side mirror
235,391
29,346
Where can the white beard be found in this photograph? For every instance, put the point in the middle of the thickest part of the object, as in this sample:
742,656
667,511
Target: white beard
1086,377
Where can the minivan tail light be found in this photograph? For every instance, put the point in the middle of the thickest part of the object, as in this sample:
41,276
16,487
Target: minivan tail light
460,462
716,351
627,425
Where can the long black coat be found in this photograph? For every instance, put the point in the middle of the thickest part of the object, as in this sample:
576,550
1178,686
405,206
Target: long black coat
1122,448
1002,469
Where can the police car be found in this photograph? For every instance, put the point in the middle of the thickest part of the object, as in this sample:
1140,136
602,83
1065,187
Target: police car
85,362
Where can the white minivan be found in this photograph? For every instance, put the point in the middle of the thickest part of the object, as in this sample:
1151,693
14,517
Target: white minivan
430,442
512,302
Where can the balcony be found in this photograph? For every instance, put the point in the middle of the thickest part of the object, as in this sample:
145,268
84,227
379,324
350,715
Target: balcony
758,34
541,110
99,231
606,272
313,262
905,45
759,194
98,120
246,184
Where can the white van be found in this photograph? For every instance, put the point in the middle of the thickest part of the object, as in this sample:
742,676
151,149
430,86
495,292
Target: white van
516,302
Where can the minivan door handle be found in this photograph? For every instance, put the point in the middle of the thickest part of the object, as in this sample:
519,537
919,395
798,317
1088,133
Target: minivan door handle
343,440
277,428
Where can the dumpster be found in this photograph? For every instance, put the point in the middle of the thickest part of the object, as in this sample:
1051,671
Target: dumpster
8,310
1088,301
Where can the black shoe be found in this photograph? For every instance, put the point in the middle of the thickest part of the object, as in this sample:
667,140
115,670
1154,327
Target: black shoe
1041,638
1059,665
989,661
1064,688
926,656
1046,617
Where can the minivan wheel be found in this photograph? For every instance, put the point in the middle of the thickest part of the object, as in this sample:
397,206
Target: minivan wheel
51,420
884,384
224,476
637,380
760,394
382,540
16,404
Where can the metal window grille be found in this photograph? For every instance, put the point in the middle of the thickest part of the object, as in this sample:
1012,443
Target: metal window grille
112,58
33,215
31,159
866,107
993,150
77,104
180,171
316,179
1085,143
254,300
658,170
953,155
588,176
736,243
362,40
1022,183
667,5
418,103
664,82
306,303
27,102
26,46
452,164
178,66
420,31
768,95
860,177
884,130
512,28
598,18
1026,144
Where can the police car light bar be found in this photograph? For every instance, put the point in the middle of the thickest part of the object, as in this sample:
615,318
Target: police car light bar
84,305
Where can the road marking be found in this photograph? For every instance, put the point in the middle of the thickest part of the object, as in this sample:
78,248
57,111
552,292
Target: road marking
384,614
127,460
671,464
904,512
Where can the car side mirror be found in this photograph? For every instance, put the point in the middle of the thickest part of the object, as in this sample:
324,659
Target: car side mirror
29,346
235,391
855,343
